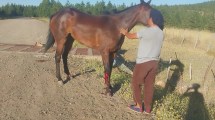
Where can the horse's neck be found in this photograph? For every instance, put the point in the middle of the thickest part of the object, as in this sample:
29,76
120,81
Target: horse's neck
127,19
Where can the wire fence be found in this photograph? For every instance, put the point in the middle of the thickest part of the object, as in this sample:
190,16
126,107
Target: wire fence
204,40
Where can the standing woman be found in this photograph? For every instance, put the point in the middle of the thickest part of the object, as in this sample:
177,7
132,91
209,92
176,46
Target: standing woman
150,43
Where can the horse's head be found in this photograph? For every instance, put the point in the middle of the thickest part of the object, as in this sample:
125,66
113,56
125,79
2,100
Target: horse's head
129,17
144,12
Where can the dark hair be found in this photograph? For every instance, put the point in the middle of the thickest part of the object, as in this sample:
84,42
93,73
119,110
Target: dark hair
157,18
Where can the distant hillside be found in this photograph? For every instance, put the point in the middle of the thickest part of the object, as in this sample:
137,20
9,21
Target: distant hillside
199,16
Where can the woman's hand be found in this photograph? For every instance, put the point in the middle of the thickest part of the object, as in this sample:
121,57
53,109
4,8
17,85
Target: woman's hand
124,31
127,34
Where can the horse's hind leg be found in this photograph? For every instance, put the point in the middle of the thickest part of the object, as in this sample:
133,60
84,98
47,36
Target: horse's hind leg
59,51
67,48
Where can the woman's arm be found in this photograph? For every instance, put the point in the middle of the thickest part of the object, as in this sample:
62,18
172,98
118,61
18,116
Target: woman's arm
127,34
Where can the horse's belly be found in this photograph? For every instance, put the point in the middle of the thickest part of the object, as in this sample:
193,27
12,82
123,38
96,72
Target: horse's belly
88,43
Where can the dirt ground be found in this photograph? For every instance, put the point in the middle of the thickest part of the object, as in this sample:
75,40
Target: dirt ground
29,89
23,31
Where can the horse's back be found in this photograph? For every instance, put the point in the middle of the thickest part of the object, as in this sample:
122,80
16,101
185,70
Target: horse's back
80,17
87,29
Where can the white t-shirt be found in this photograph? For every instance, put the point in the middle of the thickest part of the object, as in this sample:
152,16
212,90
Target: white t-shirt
150,43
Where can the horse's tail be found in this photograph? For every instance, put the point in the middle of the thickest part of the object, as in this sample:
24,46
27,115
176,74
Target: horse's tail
50,38
50,41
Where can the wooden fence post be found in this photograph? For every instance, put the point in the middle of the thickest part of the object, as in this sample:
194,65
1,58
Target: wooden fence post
176,56
210,43
209,47
183,38
208,68
168,70
197,39
190,71
213,74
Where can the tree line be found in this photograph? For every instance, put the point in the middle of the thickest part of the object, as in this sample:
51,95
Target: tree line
47,7
197,16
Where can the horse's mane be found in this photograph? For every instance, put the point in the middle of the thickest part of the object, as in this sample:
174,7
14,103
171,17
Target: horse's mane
131,7
115,11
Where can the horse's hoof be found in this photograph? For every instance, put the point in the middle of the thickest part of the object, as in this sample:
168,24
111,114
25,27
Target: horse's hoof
108,92
68,77
60,82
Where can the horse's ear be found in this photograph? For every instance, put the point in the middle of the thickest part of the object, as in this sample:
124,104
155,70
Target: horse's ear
142,1
149,1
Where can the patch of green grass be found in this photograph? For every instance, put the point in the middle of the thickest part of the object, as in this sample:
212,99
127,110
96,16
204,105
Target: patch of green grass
187,106
170,107
76,44
167,104
211,110
121,84
44,19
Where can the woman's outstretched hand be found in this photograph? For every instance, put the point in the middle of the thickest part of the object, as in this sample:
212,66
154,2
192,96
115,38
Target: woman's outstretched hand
124,31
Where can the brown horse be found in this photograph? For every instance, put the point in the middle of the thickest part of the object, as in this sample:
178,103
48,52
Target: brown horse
98,32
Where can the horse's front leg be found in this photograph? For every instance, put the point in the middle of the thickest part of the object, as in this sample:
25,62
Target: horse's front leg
108,63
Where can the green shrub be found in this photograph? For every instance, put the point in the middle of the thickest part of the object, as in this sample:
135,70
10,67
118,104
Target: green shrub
170,107
211,110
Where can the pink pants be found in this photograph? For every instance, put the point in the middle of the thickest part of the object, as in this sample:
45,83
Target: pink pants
144,73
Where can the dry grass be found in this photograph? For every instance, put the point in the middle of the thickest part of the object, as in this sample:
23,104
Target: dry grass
197,39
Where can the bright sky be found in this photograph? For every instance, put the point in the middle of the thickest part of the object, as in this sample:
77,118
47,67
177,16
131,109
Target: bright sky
117,2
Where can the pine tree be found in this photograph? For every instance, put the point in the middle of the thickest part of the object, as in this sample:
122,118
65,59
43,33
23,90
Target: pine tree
44,8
